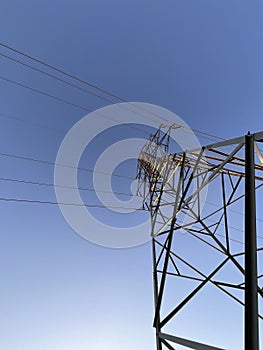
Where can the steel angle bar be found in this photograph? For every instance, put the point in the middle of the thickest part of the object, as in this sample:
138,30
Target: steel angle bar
204,276
236,140
225,284
211,177
169,244
163,279
188,343
192,294
183,276
259,154
167,345
236,263
258,136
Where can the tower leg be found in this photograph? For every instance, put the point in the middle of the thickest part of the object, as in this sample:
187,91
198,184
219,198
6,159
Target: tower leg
251,295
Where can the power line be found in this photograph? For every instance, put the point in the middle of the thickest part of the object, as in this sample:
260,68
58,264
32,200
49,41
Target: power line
56,78
61,71
70,103
77,87
62,165
2,115
79,106
42,126
68,83
44,184
45,94
203,134
67,102
97,191
81,169
25,200
206,135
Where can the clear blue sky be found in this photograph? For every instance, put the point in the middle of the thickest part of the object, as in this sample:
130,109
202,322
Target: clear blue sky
201,59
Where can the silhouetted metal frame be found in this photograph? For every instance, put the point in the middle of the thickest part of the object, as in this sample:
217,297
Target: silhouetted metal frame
251,298
161,189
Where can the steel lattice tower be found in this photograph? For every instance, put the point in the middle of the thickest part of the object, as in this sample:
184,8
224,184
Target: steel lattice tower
173,188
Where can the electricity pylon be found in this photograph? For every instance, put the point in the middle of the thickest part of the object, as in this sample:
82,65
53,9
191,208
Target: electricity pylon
174,188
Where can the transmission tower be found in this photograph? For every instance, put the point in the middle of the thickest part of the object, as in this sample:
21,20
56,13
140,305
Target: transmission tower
174,188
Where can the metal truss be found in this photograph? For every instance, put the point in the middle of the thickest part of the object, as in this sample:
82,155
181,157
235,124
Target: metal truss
174,187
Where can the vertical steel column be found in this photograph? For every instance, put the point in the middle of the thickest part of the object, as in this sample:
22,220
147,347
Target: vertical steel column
251,295
155,286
